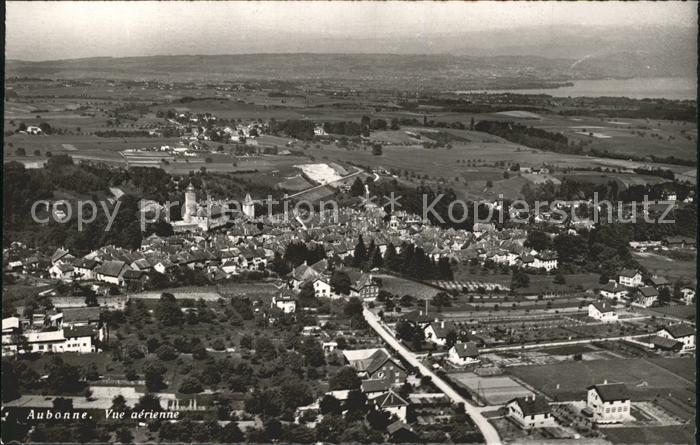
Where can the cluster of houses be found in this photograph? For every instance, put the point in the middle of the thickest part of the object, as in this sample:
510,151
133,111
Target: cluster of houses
606,403
631,286
76,329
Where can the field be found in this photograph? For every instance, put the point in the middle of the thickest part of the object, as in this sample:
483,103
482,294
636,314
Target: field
493,390
650,434
665,266
568,381
401,286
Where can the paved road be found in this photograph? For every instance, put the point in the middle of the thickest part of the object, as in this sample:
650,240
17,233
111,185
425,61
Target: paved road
487,430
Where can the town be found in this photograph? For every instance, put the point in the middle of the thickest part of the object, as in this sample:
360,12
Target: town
349,248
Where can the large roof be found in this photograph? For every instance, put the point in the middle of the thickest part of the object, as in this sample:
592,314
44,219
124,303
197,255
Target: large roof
466,349
680,330
610,392
531,406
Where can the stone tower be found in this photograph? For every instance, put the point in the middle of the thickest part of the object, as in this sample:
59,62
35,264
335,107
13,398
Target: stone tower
190,204
248,207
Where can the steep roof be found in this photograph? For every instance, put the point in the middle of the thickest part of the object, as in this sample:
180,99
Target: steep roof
610,392
468,349
680,330
628,273
603,307
648,291
79,331
531,406
111,268
391,399
375,385
77,314
441,328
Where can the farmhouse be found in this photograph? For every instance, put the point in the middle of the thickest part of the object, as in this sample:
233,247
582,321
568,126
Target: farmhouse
531,412
688,295
646,297
682,333
609,402
630,278
462,354
284,302
678,242
602,312
111,272
84,268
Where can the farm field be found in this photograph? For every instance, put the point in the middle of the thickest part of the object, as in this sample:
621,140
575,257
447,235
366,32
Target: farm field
401,286
650,434
643,377
665,266
494,390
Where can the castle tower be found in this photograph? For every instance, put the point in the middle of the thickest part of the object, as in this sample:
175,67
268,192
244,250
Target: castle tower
190,203
248,206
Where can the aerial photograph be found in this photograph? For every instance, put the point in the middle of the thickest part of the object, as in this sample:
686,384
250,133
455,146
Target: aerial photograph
349,222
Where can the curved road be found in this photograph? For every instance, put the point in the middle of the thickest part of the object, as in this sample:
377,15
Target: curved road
487,430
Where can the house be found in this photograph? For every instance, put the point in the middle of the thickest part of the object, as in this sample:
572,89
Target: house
437,332
322,287
375,364
392,403
545,260
62,271
646,296
462,354
84,269
367,288
678,242
612,291
688,295
665,344
602,312
658,282
284,302
400,432
530,412
609,402
80,339
374,387
111,272
682,333
630,278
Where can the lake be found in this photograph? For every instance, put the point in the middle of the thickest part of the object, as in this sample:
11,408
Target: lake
678,88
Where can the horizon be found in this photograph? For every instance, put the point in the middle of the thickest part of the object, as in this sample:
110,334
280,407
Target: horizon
47,31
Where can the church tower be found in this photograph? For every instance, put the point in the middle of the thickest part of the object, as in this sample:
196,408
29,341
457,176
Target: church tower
248,207
190,203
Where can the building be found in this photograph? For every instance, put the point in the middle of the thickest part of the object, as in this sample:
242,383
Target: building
437,332
367,288
646,296
462,354
530,412
376,364
190,208
111,272
284,302
393,404
612,291
609,402
630,278
248,207
682,333
602,312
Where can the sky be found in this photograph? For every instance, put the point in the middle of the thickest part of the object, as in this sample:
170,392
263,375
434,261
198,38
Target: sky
67,30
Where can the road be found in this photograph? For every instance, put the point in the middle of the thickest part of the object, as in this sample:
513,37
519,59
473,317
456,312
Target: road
487,430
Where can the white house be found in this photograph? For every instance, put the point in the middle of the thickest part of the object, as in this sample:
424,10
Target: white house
322,287
602,312
545,260
630,278
609,402
682,333
284,302
437,331
80,339
688,295
111,272
530,412
462,354
62,271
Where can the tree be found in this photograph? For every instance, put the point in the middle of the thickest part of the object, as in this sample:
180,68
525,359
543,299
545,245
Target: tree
538,240
357,188
340,282
377,149
168,311
148,402
451,338
345,378
166,353
519,279
190,386
360,253
124,436
330,405
664,295
440,300
677,294
153,375
559,278
391,258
